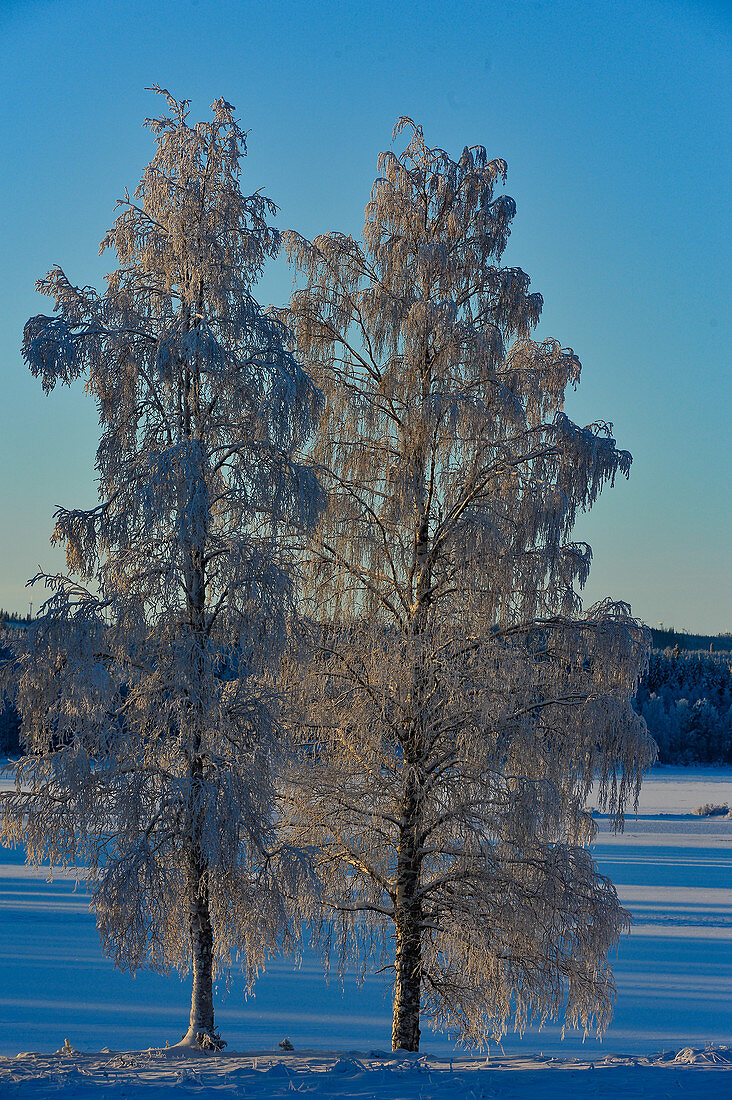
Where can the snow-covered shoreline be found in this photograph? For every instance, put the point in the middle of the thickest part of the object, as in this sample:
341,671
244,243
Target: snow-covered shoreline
156,1073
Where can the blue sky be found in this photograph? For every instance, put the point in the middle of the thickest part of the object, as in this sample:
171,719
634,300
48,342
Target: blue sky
615,122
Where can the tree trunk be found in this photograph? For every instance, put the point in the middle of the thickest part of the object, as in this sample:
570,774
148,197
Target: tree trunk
201,1031
408,915
201,1027
407,992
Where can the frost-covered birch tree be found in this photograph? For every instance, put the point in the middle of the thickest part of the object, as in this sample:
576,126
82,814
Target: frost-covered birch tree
459,700
149,732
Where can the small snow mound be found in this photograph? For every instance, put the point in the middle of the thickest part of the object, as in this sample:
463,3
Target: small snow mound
189,1081
210,1040
67,1049
413,1063
348,1067
709,1055
278,1069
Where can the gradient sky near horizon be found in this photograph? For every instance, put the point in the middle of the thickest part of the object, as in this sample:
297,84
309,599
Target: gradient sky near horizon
615,122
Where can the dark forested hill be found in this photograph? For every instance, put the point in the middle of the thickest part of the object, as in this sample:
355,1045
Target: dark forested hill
672,639
686,700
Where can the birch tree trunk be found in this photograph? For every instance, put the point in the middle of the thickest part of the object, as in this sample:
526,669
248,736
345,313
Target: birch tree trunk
201,1031
200,927
407,920
201,1026
407,907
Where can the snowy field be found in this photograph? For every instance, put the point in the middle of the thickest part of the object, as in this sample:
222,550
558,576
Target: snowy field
673,870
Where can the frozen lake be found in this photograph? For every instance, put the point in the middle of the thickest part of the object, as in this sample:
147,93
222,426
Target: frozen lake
674,972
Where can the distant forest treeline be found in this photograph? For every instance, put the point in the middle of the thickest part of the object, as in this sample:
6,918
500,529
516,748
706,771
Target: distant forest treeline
685,698
670,639
12,617
9,717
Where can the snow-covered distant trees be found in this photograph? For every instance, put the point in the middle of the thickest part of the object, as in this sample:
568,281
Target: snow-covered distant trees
149,732
686,701
458,703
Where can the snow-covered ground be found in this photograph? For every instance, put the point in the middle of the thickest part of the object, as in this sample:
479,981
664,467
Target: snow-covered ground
361,1075
672,869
